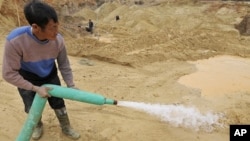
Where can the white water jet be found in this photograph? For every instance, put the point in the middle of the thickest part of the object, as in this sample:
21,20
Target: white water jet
178,115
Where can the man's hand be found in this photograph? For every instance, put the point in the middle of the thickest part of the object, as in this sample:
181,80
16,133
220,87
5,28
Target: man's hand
42,91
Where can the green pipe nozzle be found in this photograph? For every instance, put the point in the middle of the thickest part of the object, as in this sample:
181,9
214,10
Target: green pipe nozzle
38,105
78,95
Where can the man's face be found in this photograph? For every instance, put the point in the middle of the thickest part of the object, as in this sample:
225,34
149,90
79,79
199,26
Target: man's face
51,30
49,33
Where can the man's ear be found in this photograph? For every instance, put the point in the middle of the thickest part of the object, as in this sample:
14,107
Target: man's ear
35,28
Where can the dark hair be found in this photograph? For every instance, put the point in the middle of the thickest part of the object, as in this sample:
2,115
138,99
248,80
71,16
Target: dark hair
39,13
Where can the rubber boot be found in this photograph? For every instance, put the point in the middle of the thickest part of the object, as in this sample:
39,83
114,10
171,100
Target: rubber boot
38,131
65,124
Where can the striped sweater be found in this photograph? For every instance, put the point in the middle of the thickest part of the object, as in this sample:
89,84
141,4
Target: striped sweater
24,51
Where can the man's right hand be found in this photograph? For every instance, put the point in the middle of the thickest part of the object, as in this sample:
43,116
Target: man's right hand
42,91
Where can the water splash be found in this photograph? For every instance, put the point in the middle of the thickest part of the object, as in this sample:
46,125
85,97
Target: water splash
178,115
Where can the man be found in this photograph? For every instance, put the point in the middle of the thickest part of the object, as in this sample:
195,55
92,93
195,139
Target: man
32,54
117,18
89,28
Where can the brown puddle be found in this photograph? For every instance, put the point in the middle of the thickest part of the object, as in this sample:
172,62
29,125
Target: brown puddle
219,76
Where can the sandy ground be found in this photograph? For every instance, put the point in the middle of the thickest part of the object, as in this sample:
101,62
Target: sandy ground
151,58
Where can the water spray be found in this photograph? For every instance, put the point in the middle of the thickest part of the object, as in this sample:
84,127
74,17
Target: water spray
178,115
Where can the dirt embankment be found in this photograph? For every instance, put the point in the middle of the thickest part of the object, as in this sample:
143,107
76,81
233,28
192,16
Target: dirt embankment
162,32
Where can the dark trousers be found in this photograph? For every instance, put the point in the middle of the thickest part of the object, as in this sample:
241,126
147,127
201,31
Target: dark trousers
89,29
28,96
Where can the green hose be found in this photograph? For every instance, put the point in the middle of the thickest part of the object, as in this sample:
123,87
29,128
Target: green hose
38,105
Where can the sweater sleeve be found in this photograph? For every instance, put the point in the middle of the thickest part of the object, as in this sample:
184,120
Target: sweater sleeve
11,66
64,67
